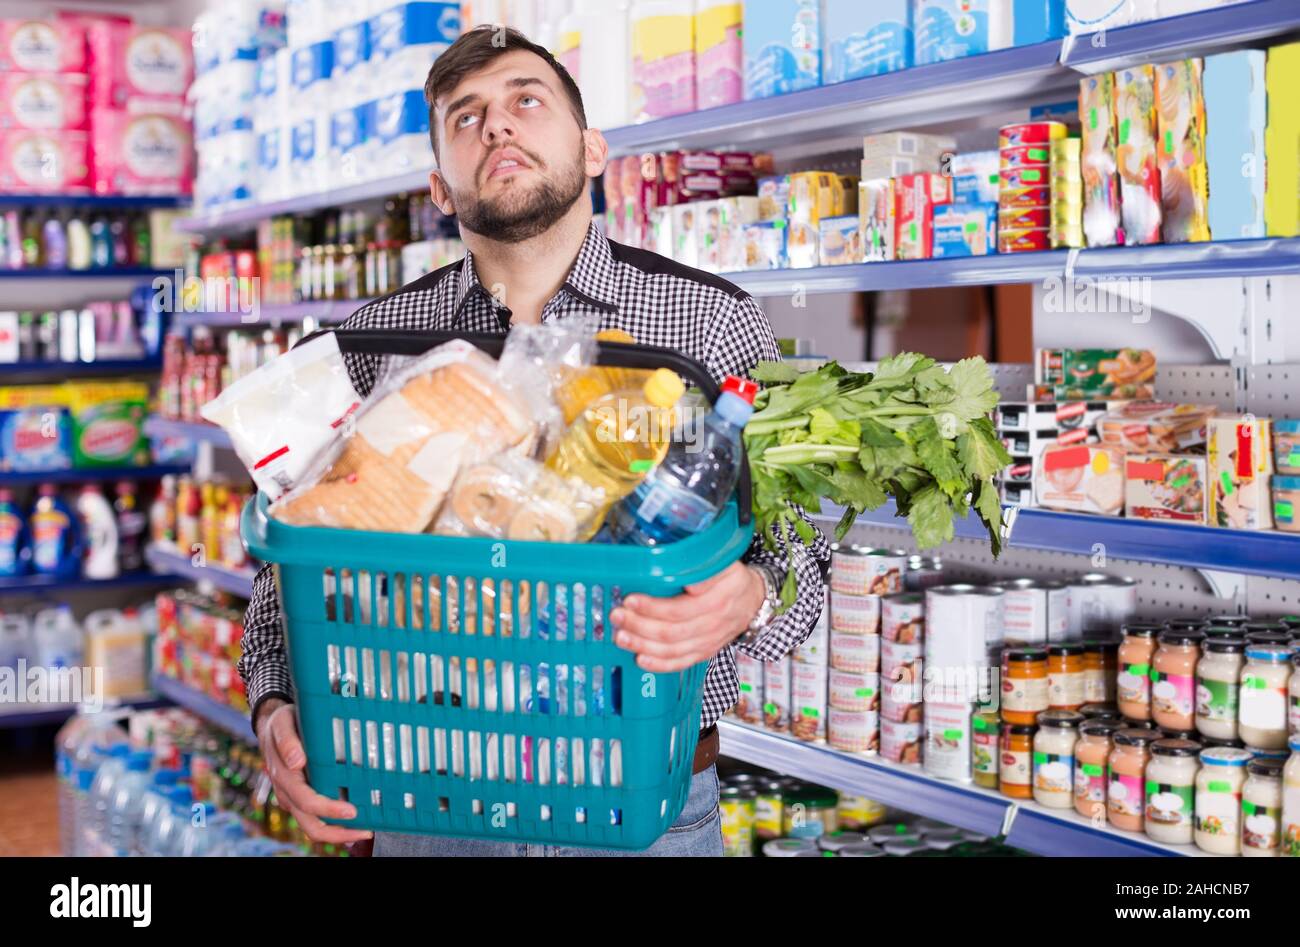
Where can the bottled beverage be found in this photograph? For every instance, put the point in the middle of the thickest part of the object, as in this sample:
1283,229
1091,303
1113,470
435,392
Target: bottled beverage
130,528
581,387
53,532
78,748
156,801
56,243
207,831
79,252
13,258
56,638
189,506
210,522
232,547
619,438
162,513
164,835
685,493
75,839
95,828
101,244
126,804
33,247
100,529
141,241
121,245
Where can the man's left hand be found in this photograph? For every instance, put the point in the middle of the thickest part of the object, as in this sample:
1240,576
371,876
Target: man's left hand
671,634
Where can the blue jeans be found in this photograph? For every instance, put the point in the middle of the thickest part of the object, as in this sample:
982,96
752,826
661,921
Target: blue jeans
696,833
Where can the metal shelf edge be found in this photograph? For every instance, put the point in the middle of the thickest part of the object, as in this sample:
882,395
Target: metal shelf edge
233,721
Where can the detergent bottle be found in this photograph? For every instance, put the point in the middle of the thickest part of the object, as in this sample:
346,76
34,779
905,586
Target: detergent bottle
14,553
54,535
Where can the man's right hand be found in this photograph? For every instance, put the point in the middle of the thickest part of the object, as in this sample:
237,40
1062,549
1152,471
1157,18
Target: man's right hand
286,762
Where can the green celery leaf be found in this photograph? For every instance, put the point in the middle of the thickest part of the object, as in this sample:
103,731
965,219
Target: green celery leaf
937,456
975,395
981,452
876,434
774,373
857,488
845,523
989,508
898,370
823,428
930,516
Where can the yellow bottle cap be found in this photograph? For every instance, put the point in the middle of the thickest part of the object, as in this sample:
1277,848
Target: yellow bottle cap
664,388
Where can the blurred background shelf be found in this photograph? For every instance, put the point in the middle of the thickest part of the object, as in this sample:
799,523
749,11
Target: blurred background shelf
34,584
153,472
172,562
328,310
198,431
121,272
92,202
96,369
235,722
15,716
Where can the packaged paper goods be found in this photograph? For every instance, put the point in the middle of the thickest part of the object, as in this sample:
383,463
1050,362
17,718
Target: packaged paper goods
1084,478
1240,454
1167,487
1139,173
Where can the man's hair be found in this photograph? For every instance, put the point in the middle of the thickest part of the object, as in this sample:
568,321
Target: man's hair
474,50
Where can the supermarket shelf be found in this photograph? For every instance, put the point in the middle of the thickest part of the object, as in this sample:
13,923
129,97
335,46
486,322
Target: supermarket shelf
100,368
121,272
28,715
155,426
35,584
324,311
14,477
174,563
91,202
1266,553
1027,825
234,722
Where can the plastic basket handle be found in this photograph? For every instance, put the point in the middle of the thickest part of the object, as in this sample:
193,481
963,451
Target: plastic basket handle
612,354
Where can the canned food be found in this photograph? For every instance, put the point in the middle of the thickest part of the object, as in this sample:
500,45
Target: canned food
922,572
1025,218
1066,150
901,700
1067,200
857,653
854,691
1024,612
855,614
901,663
1011,198
902,617
1069,237
860,571
1025,156
749,705
776,695
1024,241
854,731
790,848
1030,133
858,812
964,632
808,702
1016,178
736,809
768,809
947,752
1099,605
862,851
839,840
900,742
816,647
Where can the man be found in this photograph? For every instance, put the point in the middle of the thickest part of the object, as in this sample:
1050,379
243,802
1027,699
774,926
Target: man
515,160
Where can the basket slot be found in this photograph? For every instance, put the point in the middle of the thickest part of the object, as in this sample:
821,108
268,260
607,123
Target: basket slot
334,668
330,586
419,668
458,753
408,800
385,675
348,592
390,746
473,684
340,741
404,744
475,753
376,798
403,677
372,744
367,673
422,749
509,771
579,762
440,751
348,686
354,741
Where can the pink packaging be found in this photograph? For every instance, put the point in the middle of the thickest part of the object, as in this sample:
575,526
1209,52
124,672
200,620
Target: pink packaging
719,54
147,153
46,101
42,46
128,61
49,162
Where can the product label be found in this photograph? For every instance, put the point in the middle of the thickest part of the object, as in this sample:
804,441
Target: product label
1217,700
37,103
1293,720
767,817
157,64
1172,693
1094,687
737,817
1291,822
1263,705
1124,795
48,530
1016,768
1218,810
1065,689
668,511
984,755
35,47
1027,695
153,146
1134,684
1169,805
1054,772
1261,826
1089,782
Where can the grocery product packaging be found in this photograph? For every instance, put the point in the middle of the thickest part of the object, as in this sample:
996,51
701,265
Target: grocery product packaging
839,241
765,245
663,58
965,230
1184,177
1240,454
44,162
1084,478
774,197
405,38
876,219
1066,220
734,215
950,29
1139,174
35,428
1101,197
783,46
1234,143
1286,446
1025,22
661,231
814,195
108,423
1156,426
915,198
975,177
686,234
866,39
1286,503
1091,16
708,235
44,101
512,497
1165,487
1282,201
141,153
129,62
1122,373
42,45
719,53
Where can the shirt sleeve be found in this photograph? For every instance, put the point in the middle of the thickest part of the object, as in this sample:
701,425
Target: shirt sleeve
264,666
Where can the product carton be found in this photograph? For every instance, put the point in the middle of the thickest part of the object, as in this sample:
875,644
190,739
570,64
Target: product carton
1101,197
765,245
1234,143
708,235
108,423
866,39
129,62
46,162
719,53
661,232
774,197
950,29
783,46
1165,487
915,198
45,102
876,219
1184,176
663,61
686,234
35,428
839,241
1240,454
42,45
965,230
976,177
734,214
1139,174
1105,372
141,154
1084,478
1156,426
1282,202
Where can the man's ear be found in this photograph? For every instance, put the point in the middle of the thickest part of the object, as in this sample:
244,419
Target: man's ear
441,194
595,152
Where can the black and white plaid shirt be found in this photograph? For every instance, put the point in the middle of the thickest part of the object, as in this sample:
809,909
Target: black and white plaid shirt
658,302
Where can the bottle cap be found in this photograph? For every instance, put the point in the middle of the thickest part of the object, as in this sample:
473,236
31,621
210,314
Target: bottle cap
664,388
743,387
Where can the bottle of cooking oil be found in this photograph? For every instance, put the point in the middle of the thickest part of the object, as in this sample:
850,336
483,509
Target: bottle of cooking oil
582,386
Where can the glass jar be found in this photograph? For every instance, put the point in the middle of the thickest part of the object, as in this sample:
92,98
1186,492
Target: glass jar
1226,621
1282,638
984,748
1100,667
1293,704
1184,624
1218,682
1058,731
809,812
1091,752
768,809
306,275
1024,685
1261,809
349,273
1065,676
1015,768
1133,686
1171,791
1173,679
1218,800
736,809
1265,677
858,813
1291,802
1127,764
1101,711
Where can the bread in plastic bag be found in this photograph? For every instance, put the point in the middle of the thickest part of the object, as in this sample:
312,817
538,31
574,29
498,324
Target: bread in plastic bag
512,497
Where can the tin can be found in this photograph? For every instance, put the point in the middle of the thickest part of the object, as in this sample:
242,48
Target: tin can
776,695
749,706
1025,218
855,614
896,702
1099,605
849,691
857,813
947,753
855,653
1068,236
900,742
816,647
1012,198
922,573
1024,241
902,663
1030,133
808,702
984,749
1025,156
854,731
1058,609
1016,178
850,570
1066,151
869,571
902,617
1024,612
736,809
963,635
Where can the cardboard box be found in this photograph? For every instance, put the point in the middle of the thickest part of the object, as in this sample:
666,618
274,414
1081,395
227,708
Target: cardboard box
1167,487
965,230
774,197
1240,454
141,153
1282,201
951,29
734,213
1235,96
1139,173
663,62
1099,372
108,423
45,101
783,46
765,245
1051,415
129,62
57,44
907,145
661,232
35,428
839,241
876,219
708,235
686,234
1184,175
1084,478
866,39
1101,197
44,162
915,198
976,177
1158,427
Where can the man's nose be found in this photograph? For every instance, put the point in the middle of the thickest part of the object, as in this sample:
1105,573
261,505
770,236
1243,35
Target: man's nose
497,124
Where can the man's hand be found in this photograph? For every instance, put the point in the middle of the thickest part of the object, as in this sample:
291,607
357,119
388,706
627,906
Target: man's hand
277,736
671,634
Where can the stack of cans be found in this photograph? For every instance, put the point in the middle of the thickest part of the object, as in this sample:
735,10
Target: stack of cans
901,663
1025,188
1036,612
808,683
1067,193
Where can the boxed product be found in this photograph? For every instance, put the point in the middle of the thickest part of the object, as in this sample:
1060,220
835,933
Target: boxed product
1282,201
46,45
1184,176
774,197
1156,426
1135,156
965,230
108,423
765,245
1025,22
814,195
686,234
1165,487
908,145
839,241
1286,446
35,429
783,46
1240,454
661,232
129,62
893,166
1101,197
950,29
1082,478
975,177
1286,502
1117,372
876,219
1052,415
1235,96
865,39
1016,494
48,102
734,215
719,53
708,235
915,198
405,38
1027,445
141,153
1091,16
56,162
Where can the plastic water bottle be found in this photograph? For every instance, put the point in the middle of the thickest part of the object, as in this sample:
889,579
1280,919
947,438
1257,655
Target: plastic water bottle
163,838
56,638
78,746
685,493
230,835
101,797
157,800
15,640
83,777
128,798
205,832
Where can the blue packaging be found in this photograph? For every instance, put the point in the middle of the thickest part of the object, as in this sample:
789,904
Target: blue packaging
351,48
950,29
268,153
866,40
54,536
965,230
1032,21
35,439
976,177
783,51
1235,97
312,65
412,24
402,114
13,538
349,131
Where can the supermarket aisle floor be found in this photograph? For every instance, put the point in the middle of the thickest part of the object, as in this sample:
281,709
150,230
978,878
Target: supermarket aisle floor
29,801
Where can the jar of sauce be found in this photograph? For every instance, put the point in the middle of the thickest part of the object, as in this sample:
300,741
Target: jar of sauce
1293,702
768,810
1091,752
1125,793
1058,731
1133,686
736,809
1024,685
1291,802
1015,772
984,748
1100,667
1101,711
1222,631
1065,676
1171,791
1218,800
1173,679
809,812
1264,684
1261,809
1218,683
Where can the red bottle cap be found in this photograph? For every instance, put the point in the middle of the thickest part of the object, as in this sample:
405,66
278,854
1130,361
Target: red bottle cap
741,386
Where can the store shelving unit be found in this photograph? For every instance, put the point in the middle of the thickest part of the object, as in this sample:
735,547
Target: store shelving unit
37,584
323,311
235,722
173,562
92,202
119,272
198,431
96,369
152,472
28,715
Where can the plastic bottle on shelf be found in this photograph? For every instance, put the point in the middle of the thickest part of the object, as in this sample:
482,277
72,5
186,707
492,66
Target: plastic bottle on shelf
233,555
79,244
14,552
210,520
15,640
121,245
33,245
56,638
157,800
206,831
77,748
131,525
99,527
53,533
116,642
162,513
13,241
165,833
126,803
110,770
56,243
687,491
189,506
101,245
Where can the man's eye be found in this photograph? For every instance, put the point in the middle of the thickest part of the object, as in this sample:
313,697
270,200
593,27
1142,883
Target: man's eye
466,120
529,101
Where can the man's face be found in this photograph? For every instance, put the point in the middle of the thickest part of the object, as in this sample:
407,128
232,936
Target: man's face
511,153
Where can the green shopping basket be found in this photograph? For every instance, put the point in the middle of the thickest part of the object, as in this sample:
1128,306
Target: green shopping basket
470,687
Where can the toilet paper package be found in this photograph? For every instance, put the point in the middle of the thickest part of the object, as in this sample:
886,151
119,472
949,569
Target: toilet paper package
663,58
312,68
42,45
950,29
44,161
602,61
128,62
719,53
1025,22
866,39
274,83
227,170
274,148
398,129
351,157
141,153
783,46
353,76
47,101
309,154
1234,143
1184,176
1092,16
225,99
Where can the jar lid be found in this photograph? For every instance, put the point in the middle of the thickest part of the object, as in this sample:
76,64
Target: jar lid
1141,629
1138,724
1267,626
815,797
1134,736
1024,655
1225,756
1019,729
1271,769
840,839
770,787
1259,754
1268,653
862,851
868,551
1209,742
1168,733
1225,644
1100,711
886,833
1102,646
1268,637
737,792
904,846
1097,728
1173,747
789,847
1230,620
1064,650
1222,631
1060,719
1185,624
1182,636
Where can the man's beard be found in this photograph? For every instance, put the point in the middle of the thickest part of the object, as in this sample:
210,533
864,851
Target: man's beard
515,217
